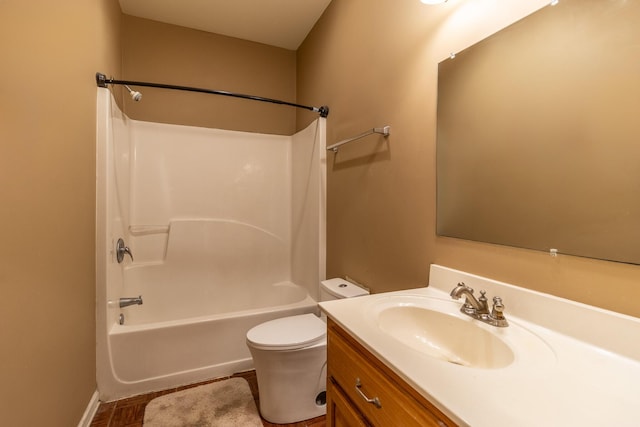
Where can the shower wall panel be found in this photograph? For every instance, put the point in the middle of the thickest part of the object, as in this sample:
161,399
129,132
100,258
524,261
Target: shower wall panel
190,173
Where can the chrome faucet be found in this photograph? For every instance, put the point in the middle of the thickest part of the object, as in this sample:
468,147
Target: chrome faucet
126,302
478,308
471,304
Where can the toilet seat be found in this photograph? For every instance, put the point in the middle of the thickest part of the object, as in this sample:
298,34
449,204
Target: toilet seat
288,333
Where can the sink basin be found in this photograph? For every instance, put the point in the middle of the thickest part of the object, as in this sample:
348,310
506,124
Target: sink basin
445,335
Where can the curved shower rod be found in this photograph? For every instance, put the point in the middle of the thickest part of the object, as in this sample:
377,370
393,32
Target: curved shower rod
103,81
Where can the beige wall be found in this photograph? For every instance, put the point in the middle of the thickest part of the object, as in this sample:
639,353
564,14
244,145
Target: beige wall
50,54
375,64
163,53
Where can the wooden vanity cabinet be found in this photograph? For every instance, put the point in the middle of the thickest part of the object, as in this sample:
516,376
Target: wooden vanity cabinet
355,375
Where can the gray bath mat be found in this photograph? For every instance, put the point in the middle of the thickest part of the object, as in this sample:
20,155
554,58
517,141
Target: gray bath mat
220,404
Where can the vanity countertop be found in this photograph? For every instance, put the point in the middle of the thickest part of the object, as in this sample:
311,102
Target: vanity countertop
585,373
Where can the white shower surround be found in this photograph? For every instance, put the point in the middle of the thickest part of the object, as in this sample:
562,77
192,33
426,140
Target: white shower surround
227,230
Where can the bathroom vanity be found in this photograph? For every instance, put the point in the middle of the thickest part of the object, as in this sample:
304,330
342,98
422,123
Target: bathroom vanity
360,387
412,358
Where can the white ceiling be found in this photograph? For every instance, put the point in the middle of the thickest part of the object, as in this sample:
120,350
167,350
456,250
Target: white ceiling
282,23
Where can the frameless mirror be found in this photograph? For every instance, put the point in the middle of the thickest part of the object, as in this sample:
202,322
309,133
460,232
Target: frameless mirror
538,133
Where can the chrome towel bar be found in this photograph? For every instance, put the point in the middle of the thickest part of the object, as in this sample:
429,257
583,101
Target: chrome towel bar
385,130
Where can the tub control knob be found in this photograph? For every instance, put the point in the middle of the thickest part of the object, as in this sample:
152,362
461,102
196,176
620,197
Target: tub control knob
122,249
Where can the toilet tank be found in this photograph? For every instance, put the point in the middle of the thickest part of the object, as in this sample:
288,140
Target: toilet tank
337,288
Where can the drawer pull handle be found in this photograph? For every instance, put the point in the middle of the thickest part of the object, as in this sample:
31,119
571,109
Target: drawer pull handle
375,401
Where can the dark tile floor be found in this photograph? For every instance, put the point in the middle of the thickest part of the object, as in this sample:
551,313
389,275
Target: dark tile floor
130,412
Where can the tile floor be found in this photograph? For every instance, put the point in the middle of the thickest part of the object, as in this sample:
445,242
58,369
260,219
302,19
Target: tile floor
130,412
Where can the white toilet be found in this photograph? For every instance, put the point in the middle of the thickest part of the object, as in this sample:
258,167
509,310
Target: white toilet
290,356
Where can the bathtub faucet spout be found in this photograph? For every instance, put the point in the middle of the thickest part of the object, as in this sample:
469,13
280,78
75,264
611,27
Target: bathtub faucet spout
125,302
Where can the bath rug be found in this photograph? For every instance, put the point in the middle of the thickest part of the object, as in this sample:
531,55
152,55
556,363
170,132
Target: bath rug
226,403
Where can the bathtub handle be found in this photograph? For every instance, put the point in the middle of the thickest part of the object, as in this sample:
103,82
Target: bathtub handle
122,249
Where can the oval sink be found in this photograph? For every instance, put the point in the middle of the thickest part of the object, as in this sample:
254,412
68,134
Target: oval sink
445,336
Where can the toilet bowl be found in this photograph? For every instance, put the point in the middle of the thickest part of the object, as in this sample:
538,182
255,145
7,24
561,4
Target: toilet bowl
290,356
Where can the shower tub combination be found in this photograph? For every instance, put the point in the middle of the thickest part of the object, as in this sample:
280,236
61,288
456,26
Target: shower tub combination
226,231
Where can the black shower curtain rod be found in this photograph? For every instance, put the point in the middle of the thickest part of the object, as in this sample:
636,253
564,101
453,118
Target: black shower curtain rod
103,81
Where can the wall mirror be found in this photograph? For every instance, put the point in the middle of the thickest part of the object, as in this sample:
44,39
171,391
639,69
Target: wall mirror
538,133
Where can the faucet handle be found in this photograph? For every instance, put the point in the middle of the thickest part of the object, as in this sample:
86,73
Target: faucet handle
483,298
484,306
498,309
497,317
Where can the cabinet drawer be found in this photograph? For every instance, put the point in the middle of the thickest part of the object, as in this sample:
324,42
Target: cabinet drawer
340,411
361,376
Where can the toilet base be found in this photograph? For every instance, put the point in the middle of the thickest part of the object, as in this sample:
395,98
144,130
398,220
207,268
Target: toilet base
291,383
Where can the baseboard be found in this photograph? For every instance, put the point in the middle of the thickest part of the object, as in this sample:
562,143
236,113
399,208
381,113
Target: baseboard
91,410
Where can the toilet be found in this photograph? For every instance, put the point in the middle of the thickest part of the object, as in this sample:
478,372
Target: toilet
290,357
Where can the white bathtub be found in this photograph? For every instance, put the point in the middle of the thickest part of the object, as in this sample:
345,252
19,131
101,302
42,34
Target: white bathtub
153,356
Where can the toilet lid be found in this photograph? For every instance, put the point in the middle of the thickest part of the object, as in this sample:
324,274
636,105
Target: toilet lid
288,333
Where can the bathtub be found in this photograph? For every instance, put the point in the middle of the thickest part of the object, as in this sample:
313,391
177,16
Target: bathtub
216,280
159,355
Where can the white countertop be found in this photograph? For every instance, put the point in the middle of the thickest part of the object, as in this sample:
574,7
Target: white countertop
576,366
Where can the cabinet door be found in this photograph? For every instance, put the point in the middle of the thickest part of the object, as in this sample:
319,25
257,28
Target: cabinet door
340,413
373,390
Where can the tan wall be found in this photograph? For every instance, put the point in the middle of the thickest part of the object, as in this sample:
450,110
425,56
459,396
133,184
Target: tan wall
375,64
50,54
163,53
